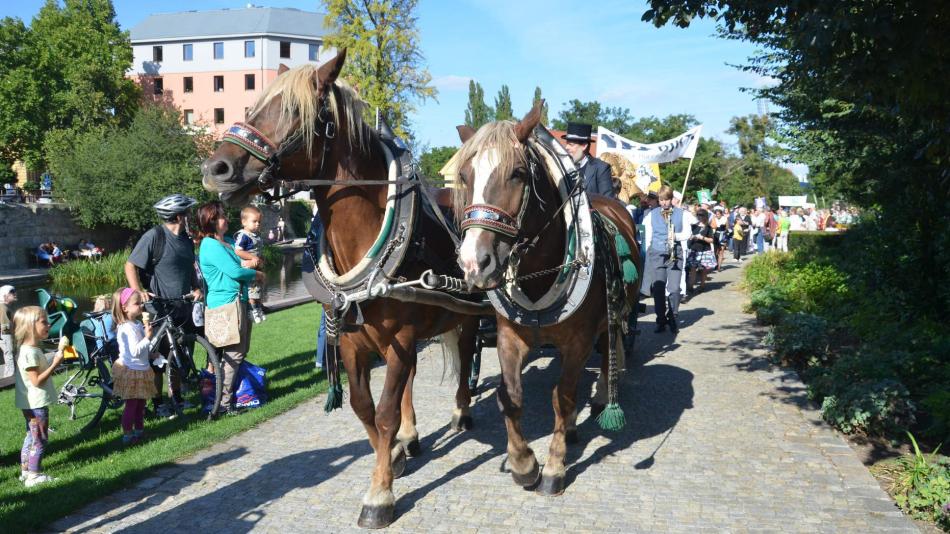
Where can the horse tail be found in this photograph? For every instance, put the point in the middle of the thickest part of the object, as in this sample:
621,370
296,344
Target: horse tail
451,355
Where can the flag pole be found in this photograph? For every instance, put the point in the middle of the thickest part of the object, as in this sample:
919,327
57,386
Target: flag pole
686,181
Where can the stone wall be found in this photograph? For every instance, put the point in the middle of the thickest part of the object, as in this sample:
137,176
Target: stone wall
24,226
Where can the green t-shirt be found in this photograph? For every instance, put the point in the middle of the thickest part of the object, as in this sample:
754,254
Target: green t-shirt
783,225
27,395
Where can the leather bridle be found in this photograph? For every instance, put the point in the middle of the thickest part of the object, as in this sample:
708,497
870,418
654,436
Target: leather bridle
260,147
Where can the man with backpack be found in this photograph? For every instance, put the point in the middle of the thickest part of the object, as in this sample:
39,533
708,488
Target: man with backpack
163,264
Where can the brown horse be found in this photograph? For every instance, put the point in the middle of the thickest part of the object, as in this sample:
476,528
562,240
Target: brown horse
499,180
313,124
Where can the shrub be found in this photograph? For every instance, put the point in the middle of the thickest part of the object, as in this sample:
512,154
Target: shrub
872,408
938,407
767,270
816,288
799,340
808,242
923,487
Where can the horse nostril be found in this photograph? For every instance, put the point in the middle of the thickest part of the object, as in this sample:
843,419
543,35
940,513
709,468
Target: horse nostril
484,262
219,168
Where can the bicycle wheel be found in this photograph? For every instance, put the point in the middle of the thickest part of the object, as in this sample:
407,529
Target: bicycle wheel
88,394
212,363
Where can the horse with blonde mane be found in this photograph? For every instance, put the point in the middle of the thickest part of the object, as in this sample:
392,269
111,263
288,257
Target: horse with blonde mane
512,217
307,125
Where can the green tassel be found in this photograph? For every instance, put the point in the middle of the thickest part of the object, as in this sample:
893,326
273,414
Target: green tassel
334,398
630,273
612,418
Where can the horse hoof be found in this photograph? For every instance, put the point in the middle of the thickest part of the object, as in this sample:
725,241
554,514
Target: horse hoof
462,423
412,447
551,486
376,516
398,460
595,409
528,479
571,436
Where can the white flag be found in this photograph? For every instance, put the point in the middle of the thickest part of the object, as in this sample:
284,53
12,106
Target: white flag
683,146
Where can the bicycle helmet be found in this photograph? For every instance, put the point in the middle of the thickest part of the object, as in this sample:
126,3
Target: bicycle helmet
173,205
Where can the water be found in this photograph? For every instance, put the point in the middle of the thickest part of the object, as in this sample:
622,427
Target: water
283,281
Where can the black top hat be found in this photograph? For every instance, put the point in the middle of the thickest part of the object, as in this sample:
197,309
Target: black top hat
577,132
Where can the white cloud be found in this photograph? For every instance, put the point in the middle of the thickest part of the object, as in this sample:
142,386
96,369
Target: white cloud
451,82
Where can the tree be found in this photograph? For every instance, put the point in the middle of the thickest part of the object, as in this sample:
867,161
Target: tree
544,108
503,110
861,88
478,112
113,174
67,70
616,119
384,60
432,161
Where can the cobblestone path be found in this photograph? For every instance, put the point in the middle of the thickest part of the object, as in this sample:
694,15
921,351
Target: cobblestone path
715,441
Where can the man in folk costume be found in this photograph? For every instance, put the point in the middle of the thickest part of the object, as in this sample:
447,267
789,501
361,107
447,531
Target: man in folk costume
665,229
596,173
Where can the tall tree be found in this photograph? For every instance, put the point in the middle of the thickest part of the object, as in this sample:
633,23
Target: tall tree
544,108
431,162
478,112
384,60
67,70
503,111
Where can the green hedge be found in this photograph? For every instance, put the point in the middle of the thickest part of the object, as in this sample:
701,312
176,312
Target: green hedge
810,240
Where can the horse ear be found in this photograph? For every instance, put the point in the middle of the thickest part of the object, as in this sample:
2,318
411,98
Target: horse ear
524,128
465,132
329,71
282,69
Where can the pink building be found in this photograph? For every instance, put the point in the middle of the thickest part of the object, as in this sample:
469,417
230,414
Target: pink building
214,64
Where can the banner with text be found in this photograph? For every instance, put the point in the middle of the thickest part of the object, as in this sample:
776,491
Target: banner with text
795,200
683,146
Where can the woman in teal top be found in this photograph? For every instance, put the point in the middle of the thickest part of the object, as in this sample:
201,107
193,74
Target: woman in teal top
227,278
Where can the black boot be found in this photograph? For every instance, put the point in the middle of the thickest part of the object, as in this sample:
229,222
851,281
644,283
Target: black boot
674,328
660,328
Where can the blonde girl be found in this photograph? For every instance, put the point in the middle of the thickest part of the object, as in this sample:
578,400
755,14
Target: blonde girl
134,378
34,390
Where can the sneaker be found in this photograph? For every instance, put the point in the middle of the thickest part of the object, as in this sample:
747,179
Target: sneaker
35,479
185,405
128,439
165,411
23,475
257,315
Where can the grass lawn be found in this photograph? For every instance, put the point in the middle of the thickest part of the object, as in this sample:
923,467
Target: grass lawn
91,465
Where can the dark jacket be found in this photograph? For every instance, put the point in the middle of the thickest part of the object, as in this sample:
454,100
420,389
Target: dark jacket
597,177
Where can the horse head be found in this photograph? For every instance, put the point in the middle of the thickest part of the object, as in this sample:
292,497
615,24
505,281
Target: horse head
496,170
286,134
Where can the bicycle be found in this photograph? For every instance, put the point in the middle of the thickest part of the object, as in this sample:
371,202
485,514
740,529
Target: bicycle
181,360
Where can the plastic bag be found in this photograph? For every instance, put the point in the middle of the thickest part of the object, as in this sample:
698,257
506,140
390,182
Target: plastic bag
206,384
252,386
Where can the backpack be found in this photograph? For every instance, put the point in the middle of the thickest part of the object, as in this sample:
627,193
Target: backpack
156,250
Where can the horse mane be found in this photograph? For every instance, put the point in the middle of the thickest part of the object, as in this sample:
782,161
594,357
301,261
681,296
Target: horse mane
298,91
498,135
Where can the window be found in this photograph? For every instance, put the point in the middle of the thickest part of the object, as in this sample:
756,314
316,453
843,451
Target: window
189,116
187,52
219,50
159,86
248,82
218,84
314,52
219,115
248,48
189,84
157,54
285,49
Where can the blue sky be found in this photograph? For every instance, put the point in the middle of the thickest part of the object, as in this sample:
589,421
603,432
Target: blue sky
571,49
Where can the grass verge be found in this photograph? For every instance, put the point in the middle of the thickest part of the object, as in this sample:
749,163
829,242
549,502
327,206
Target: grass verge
92,465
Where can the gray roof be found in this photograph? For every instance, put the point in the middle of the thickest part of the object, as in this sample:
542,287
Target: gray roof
222,22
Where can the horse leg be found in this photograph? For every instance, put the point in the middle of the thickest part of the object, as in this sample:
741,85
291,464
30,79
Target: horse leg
408,435
379,502
511,354
461,416
599,400
564,401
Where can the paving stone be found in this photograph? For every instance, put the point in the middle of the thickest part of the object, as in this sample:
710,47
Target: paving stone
717,441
